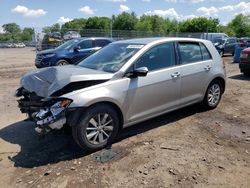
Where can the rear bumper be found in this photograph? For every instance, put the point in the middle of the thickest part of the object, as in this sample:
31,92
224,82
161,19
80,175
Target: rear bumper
244,67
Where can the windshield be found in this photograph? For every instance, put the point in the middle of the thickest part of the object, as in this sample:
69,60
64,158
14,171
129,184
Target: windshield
68,44
111,58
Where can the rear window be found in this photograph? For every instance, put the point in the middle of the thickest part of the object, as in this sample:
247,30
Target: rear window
190,52
205,53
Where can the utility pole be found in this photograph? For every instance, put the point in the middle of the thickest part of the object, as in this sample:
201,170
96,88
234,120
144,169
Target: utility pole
111,28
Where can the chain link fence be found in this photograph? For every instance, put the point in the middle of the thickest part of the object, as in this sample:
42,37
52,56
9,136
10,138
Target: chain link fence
54,39
49,40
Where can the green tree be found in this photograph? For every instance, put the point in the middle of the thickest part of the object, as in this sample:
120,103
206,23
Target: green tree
125,21
27,34
13,29
200,24
54,28
98,23
74,25
240,25
144,24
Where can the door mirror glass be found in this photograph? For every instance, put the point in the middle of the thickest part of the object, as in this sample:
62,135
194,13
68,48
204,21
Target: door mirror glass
139,72
77,48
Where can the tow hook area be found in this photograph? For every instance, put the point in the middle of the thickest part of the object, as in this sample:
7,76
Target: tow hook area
51,118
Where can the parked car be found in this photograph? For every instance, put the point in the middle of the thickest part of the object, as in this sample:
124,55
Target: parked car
213,36
226,45
9,45
244,42
125,83
50,41
245,62
19,45
71,52
71,35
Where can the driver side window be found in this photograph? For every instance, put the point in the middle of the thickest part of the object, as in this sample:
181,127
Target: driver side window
158,57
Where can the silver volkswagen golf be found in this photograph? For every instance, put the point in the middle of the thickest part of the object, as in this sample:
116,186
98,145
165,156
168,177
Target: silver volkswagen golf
124,83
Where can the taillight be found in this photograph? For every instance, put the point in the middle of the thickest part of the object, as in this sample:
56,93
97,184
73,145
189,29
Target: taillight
242,44
244,57
224,64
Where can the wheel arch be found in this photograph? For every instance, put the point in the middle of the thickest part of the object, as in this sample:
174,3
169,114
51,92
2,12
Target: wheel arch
65,58
74,116
222,82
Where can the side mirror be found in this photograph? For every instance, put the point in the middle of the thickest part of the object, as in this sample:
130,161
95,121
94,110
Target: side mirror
139,72
76,48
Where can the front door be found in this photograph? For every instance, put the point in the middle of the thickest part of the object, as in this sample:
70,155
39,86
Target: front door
159,91
85,48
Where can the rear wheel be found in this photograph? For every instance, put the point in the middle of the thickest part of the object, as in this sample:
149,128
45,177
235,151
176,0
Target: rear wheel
62,62
213,95
246,73
97,128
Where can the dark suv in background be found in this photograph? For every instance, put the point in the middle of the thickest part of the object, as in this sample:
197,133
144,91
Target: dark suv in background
71,52
226,45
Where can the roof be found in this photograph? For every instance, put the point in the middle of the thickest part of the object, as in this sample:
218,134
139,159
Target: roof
145,41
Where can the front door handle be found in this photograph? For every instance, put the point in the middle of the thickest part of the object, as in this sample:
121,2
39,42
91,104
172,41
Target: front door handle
207,68
175,75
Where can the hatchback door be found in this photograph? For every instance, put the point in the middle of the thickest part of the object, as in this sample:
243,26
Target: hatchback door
159,91
196,62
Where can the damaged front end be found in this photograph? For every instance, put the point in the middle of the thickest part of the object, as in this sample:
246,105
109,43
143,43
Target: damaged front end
48,114
40,93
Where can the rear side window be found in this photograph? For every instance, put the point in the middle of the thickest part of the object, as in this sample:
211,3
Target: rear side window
158,57
190,52
205,53
101,42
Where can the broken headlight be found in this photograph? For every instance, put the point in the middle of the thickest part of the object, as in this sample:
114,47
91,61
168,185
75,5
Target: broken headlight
59,106
54,112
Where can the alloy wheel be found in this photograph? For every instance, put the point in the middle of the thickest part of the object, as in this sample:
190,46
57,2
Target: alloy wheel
214,93
99,129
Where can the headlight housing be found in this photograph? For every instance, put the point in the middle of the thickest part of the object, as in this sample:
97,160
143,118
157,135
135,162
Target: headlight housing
60,106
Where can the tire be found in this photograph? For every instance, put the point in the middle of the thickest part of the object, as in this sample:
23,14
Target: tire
62,62
213,95
89,134
246,73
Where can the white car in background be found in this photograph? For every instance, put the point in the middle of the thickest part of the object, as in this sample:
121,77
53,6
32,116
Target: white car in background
71,35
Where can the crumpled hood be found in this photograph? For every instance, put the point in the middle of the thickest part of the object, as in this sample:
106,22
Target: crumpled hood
46,81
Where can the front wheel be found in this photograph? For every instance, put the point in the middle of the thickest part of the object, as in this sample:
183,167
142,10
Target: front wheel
62,62
213,95
98,127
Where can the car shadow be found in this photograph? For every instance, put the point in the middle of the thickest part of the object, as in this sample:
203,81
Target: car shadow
240,77
59,146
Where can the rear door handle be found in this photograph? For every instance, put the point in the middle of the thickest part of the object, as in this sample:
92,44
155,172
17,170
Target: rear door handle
175,75
207,68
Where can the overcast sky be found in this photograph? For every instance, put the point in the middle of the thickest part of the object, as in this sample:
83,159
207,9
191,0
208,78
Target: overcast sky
40,13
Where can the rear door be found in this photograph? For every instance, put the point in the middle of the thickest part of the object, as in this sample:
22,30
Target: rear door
196,62
230,46
160,89
100,43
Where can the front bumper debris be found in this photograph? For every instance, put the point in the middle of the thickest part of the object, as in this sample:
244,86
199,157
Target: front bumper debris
48,114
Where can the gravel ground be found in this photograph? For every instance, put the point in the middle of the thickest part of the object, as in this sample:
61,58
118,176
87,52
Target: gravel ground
185,148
